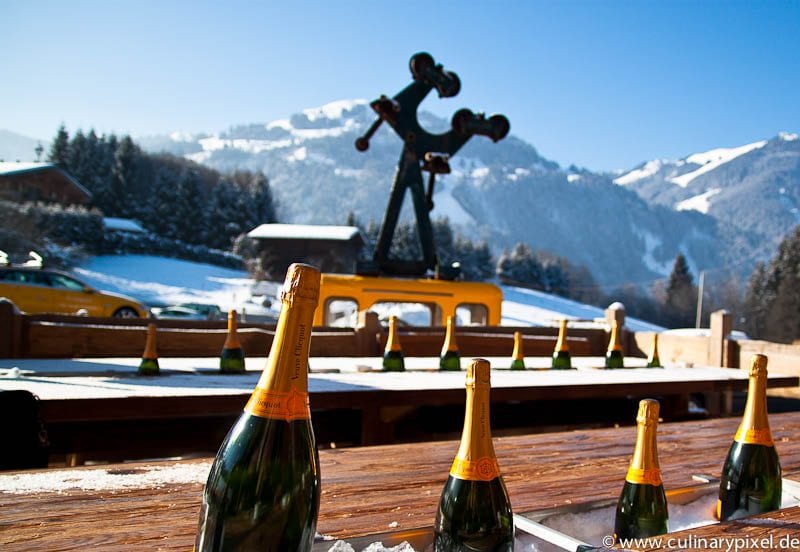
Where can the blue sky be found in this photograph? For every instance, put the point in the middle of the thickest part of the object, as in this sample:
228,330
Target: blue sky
604,85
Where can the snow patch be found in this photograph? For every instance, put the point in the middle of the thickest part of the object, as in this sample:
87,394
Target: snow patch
480,172
651,242
179,136
647,170
518,173
445,204
699,202
299,154
106,479
349,173
332,110
573,177
788,136
712,159
280,123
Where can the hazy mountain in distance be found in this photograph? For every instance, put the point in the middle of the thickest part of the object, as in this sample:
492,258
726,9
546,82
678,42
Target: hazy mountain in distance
16,147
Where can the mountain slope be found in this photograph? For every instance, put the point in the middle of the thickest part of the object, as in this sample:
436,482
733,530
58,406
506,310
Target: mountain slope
756,186
504,192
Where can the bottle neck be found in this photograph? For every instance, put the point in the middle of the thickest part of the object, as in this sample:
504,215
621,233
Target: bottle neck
476,460
232,340
654,353
282,390
561,344
150,351
644,468
450,344
614,343
519,353
754,428
392,343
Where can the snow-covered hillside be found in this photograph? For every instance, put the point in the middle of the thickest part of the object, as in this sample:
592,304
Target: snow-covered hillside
159,281
503,192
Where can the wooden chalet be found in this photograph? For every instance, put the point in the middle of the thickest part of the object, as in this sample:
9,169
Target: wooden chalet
40,182
332,248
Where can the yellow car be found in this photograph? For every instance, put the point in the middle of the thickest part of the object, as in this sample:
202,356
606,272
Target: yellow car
36,290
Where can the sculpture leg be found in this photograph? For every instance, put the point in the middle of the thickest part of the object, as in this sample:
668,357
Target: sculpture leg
401,181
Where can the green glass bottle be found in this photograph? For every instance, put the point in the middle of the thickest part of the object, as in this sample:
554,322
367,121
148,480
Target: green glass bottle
561,358
518,356
149,364
614,357
450,359
263,490
393,354
642,506
474,510
231,359
751,476
653,361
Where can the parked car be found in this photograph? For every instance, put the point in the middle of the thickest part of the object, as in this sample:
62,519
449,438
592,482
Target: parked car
178,312
39,290
211,312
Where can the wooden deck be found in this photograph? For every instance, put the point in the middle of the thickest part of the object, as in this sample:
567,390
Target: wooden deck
99,408
154,506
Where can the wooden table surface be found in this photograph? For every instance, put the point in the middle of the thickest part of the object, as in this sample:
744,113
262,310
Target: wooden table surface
367,490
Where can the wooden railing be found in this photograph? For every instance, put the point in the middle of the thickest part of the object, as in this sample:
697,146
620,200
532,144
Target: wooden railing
60,336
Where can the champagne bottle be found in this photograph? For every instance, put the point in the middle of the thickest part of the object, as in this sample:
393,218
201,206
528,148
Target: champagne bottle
561,358
751,475
450,359
393,354
614,358
231,360
149,364
474,510
642,505
653,361
518,356
263,490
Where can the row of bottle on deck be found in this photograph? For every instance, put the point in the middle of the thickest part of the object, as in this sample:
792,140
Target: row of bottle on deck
232,355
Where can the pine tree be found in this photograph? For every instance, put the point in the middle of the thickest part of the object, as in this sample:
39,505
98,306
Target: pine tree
59,148
681,294
520,267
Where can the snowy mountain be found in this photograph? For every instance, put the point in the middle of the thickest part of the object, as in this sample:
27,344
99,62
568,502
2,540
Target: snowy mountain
504,192
756,185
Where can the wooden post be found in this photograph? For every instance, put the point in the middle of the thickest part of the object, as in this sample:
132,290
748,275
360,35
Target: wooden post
369,327
616,311
10,324
721,326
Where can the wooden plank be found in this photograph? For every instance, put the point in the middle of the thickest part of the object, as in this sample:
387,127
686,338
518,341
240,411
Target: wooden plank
402,490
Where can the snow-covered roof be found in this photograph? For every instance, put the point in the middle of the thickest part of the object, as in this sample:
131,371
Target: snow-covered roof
122,225
9,167
303,232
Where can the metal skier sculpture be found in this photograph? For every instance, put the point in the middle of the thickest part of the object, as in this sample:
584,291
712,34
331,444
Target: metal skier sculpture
422,151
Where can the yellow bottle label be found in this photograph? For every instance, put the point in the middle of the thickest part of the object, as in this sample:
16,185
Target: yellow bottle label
484,469
614,341
150,350
393,342
450,344
277,405
518,353
561,344
232,339
754,437
644,476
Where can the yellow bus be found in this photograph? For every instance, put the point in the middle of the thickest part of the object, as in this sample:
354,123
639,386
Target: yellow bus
418,302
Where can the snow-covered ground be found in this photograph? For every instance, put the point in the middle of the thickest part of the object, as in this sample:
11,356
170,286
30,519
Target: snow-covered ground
159,281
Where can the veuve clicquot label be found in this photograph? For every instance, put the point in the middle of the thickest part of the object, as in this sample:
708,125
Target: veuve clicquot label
751,475
642,505
474,510
263,490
